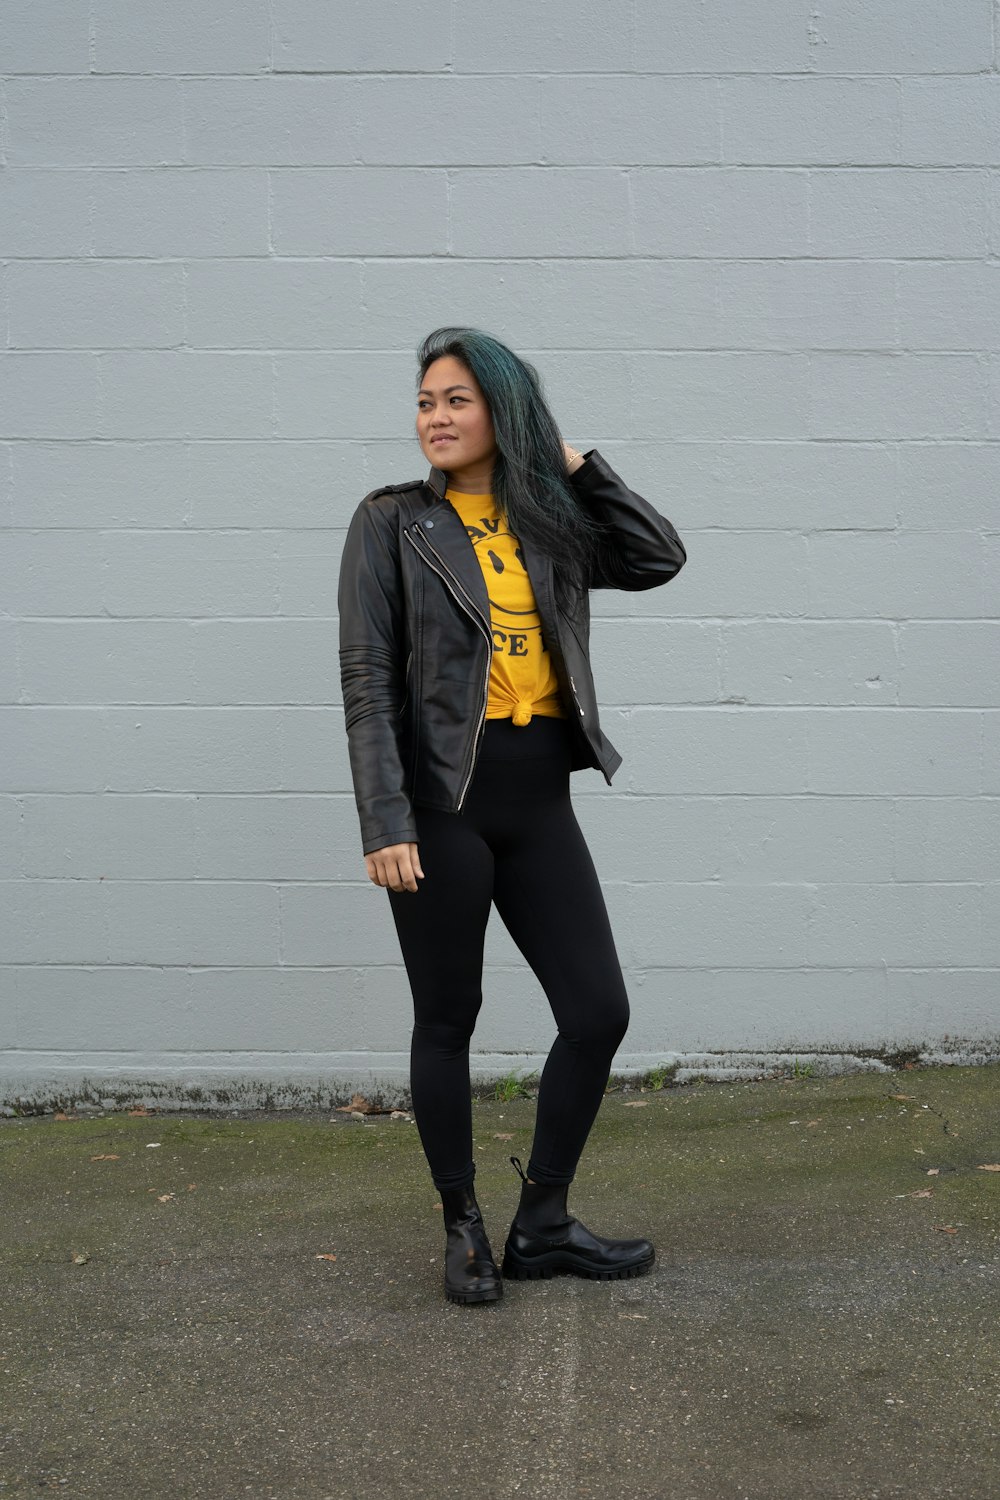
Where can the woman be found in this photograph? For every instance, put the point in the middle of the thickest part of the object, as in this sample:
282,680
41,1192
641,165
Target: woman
468,701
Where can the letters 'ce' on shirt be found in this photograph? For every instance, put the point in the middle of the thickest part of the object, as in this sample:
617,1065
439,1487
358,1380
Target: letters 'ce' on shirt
522,679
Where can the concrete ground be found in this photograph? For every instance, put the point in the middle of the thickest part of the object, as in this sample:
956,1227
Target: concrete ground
252,1306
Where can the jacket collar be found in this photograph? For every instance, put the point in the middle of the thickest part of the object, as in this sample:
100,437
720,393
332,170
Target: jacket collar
449,538
437,480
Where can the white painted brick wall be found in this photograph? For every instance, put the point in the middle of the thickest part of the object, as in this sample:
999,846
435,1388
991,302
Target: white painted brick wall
755,252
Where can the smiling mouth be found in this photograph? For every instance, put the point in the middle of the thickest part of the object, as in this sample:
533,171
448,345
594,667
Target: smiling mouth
442,440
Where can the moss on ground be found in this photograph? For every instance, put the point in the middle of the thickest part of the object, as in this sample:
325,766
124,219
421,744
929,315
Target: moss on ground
868,1138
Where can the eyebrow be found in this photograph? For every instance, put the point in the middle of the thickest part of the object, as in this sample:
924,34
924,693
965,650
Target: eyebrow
448,390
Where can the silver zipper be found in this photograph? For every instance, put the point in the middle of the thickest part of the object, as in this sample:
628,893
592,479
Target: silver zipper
576,699
465,603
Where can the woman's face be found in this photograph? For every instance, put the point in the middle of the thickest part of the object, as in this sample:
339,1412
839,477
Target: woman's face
454,425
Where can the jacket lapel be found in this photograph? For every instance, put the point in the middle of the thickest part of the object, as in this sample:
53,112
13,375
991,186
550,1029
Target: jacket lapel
448,537
538,566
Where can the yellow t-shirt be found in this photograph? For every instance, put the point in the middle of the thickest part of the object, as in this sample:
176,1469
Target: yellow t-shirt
522,679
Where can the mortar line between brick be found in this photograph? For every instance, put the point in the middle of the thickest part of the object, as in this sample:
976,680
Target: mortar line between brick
611,75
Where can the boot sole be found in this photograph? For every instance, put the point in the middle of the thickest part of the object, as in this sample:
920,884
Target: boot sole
464,1299
558,1263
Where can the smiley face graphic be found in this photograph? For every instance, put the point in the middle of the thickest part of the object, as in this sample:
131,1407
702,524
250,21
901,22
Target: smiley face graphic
513,611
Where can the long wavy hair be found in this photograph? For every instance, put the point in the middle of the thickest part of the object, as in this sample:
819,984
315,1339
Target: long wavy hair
529,480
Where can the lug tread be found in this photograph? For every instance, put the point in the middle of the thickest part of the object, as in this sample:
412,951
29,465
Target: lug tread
515,1270
490,1294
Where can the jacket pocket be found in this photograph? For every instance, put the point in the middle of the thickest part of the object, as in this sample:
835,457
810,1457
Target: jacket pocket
406,686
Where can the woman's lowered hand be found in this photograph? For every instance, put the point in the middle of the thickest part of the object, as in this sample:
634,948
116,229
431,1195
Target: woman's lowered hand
396,867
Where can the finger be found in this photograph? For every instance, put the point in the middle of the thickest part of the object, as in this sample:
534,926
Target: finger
407,879
380,869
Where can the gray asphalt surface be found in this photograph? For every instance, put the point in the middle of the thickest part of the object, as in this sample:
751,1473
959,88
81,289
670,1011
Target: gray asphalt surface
821,1323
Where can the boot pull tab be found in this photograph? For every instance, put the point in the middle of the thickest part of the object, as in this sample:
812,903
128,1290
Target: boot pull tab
521,1173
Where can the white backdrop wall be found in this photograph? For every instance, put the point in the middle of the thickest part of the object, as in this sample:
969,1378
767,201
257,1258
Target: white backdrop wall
754,253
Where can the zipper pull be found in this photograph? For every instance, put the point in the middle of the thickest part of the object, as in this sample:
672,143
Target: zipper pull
521,1173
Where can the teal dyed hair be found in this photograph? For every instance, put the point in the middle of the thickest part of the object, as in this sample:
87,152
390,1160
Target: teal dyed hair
529,480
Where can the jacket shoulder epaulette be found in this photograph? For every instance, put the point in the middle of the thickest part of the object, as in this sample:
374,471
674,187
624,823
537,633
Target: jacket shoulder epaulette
397,489
382,499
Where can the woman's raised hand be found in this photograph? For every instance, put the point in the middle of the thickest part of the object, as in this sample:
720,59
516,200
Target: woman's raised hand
573,458
397,867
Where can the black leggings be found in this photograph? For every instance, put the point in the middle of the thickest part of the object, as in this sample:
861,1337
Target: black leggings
517,844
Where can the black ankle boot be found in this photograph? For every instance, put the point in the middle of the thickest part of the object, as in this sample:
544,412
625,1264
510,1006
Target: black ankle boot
545,1241
470,1272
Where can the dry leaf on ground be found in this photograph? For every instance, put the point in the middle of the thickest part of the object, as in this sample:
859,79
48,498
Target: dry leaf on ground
902,1096
636,1103
165,1197
502,1135
106,1156
946,1228
990,1166
326,1257
359,1105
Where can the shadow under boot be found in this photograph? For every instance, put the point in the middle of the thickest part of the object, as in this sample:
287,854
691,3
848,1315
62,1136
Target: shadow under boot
470,1272
544,1240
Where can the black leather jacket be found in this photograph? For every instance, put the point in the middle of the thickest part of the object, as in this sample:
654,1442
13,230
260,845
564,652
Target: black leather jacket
416,640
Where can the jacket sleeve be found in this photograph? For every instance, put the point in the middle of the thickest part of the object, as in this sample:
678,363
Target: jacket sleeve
372,673
640,548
